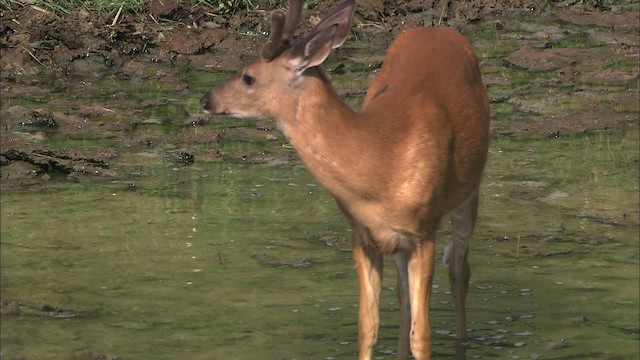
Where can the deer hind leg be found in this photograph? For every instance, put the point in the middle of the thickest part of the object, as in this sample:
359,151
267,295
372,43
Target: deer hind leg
404,305
369,268
463,219
420,270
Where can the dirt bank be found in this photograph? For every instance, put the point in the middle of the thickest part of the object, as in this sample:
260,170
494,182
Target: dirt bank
86,42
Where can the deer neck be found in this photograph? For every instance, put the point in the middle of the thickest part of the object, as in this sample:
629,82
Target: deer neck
319,128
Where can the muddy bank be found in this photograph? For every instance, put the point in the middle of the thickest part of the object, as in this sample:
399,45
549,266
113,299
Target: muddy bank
552,69
89,43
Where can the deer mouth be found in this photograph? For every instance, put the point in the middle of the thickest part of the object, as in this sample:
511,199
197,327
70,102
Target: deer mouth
206,103
209,106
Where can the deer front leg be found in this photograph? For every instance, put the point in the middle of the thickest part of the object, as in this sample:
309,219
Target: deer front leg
420,266
369,269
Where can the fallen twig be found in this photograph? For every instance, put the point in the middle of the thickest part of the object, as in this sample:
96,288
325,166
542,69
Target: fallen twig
32,56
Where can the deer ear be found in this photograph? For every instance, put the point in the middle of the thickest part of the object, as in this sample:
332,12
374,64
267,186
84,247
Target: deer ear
341,17
312,51
330,33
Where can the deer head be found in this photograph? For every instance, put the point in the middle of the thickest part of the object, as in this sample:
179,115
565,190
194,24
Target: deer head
272,83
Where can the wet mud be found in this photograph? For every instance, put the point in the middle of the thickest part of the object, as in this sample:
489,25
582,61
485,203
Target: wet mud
588,55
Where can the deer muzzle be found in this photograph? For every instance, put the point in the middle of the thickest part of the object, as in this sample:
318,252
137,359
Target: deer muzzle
206,103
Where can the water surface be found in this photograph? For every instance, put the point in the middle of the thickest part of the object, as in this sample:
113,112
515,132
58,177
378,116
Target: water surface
223,260
227,260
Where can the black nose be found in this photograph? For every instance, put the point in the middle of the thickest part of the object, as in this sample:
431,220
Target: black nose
204,102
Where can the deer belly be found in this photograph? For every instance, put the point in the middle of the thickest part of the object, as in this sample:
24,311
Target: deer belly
385,232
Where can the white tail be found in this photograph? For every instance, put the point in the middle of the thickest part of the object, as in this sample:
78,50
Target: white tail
415,153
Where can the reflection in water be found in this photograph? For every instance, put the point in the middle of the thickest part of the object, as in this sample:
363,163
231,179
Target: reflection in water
177,268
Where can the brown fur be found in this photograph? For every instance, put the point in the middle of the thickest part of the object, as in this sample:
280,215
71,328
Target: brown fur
415,153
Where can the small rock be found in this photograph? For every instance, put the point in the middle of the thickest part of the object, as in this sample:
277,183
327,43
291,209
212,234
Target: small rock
41,118
524,333
557,345
10,308
580,320
18,170
558,194
596,239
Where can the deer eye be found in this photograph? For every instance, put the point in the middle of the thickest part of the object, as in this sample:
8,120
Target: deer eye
248,80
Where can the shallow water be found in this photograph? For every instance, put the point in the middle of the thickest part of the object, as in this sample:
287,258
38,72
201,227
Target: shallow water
224,260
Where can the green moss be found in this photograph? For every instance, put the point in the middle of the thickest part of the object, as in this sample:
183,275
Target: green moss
578,40
629,65
627,8
502,111
631,107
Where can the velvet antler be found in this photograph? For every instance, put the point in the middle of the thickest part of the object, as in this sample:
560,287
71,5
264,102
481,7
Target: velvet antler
283,26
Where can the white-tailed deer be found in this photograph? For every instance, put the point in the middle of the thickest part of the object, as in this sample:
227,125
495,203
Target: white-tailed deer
414,153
